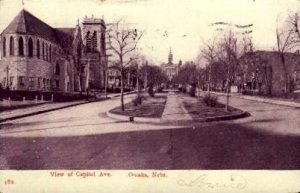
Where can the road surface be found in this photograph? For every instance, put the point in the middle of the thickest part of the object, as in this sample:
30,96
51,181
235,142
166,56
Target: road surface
82,137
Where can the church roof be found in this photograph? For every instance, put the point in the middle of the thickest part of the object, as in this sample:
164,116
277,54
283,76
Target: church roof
65,37
26,23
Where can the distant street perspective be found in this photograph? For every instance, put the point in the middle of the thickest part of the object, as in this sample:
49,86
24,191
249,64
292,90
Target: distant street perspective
77,138
97,95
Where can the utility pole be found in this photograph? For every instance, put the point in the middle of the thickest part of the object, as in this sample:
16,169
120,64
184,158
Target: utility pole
146,81
137,79
106,74
87,79
105,86
227,90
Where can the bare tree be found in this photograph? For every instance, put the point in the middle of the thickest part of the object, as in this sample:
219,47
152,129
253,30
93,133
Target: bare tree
224,52
210,52
230,59
123,41
294,20
188,75
285,41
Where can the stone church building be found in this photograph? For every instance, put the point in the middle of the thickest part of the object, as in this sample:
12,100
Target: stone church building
37,57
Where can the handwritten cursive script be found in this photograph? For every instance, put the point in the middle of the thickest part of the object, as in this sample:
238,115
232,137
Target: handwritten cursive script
233,182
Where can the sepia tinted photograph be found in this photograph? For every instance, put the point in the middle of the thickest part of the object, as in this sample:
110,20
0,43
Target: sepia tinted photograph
150,85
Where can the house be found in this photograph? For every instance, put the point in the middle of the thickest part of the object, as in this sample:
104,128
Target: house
114,77
263,71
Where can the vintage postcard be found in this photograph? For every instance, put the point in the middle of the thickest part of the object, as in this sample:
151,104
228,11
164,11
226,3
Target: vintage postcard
150,96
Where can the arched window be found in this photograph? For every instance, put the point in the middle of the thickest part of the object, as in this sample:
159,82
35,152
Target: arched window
30,47
4,47
43,51
88,41
94,41
57,68
21,47
38,49
50,53
46,54
11,46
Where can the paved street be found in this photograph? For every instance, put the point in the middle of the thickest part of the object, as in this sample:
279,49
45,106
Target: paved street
271,118
83,137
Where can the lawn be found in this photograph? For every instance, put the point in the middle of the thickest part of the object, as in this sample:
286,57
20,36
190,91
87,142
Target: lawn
152,107
199,110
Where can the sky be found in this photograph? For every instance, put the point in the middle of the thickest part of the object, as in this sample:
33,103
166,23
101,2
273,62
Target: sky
182,25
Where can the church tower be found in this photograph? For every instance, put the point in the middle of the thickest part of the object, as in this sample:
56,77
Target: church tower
93,35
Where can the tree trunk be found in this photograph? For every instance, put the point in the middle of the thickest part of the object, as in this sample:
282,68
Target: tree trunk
228,85
285,73
209,80
227,96
122,91
79,83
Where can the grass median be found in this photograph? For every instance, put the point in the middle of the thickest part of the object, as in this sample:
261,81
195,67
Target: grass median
199,110
151,107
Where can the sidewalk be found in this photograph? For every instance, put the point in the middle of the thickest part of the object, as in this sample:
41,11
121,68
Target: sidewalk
260,99
47,107
174,110
43,108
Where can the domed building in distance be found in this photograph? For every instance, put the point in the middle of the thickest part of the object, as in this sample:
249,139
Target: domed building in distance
170,68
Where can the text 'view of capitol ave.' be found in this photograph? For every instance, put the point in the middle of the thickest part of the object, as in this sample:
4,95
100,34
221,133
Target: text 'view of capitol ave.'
127,85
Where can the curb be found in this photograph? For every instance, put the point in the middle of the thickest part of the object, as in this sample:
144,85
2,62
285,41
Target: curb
158,120
118,95
133,119
46,111
263,100
272,101
242,114
227,117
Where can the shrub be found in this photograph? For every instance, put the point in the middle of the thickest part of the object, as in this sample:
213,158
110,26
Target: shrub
193,91
151,91
210,100
137,101
160,89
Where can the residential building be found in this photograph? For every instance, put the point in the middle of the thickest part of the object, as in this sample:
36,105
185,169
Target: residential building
114,77
263,71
